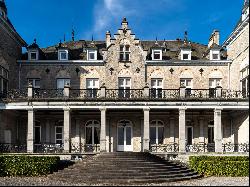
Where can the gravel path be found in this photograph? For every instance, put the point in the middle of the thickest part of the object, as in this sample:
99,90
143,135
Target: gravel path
206,181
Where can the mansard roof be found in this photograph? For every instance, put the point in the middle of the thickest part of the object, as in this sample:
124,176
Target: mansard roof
170,49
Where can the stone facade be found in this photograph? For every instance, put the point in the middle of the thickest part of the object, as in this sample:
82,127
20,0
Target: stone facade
128,111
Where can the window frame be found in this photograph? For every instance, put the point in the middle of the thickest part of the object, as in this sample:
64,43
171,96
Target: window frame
214,52
40,132
33,80
56,133
60,54
156,124
92,125
89,51
192,130
154,51
33,52
63,81
4,78
186,52
124,52
124,89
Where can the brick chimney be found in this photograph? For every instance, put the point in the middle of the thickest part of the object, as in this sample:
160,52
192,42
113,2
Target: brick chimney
214,38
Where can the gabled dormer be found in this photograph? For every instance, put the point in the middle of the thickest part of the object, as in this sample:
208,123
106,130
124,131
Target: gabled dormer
92,51
62,51
33,51
156,53
214,53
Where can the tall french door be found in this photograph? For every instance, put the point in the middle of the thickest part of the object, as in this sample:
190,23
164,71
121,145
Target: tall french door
124,136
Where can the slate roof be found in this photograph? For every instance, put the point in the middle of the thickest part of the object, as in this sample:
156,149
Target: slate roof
171,49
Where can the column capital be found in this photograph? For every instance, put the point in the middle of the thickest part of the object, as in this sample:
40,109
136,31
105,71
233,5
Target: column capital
67,109
146,109
218,109
182,108
30,109
102,108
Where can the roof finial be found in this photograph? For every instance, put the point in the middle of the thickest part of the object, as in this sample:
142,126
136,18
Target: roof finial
35,40
73,34
92,38
156,40
185,36
64,37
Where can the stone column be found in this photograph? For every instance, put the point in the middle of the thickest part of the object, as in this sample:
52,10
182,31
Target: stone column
171,130
66,130
182,130
217,130
202,137
146,130
30,132
103,130
47,138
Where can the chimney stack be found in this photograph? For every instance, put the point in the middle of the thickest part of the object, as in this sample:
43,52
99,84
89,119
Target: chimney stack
108,39
214,38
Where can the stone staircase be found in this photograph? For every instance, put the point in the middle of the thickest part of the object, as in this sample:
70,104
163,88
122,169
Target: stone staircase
124,168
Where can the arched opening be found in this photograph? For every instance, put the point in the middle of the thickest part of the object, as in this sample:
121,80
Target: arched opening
124,136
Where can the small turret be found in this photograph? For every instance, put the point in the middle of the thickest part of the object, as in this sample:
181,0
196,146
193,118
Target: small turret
3,9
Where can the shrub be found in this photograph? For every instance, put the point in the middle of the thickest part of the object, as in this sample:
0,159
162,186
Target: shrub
234,166
27,165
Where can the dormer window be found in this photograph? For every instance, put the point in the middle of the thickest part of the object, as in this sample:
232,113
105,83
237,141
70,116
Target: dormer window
63,54
214,55
33,55
156,54
92,54
185,54
124,53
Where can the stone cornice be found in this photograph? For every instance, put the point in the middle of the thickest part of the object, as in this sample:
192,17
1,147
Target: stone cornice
188,63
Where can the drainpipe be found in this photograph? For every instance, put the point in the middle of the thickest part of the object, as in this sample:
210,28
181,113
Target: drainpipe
229,76
19,76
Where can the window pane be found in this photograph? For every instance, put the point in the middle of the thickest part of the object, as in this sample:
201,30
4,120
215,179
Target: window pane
121,47
33,56
96,135
157,55
160,83
88,135
215,56
91,56
127,48
127,56
127,82
120,136
188,83
37,135
59,130
160,135
60,83
153,135
58,136
63,55
153,83
58,141
128,135
189,136
121,82
185,56
121,56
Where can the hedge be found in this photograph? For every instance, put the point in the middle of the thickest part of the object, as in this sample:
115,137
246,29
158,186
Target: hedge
234,166
27,165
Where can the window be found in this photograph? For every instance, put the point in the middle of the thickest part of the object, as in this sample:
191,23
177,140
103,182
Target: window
211,132
59,132
63,55
124,53
62,82
92,54
213,82
4,76
34,82
156,132
92,132
124,87
188,84
156,54
214,55
245,81
189,135
37,132
186,54
156,88
33,55
92,85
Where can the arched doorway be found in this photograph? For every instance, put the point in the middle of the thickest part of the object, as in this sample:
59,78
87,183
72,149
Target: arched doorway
124,136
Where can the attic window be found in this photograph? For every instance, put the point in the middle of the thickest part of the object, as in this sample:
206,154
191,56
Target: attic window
186,54
33,55
214,55
157,54
92,54
124,52
63,55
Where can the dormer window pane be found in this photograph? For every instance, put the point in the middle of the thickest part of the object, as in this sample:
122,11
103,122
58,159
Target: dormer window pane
185,56
157,55
215,56
33,55
63,55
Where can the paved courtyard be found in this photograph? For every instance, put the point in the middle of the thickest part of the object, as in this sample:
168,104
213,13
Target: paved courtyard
206,181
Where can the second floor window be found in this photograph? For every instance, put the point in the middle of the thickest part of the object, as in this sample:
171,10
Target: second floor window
156,88
213,83
62,82
34,82
188,84
124,87
92,86
124,53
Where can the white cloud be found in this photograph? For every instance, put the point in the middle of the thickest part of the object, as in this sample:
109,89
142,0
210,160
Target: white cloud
107,13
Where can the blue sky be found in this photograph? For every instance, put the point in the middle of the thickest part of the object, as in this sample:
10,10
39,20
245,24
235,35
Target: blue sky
49,20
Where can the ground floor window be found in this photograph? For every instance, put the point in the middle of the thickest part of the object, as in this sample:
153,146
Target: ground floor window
189,135
37,132
156,132
93,132
211,132
59,132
